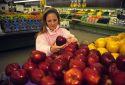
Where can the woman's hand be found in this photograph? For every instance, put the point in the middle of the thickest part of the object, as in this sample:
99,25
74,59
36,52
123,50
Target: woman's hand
55,48
72,39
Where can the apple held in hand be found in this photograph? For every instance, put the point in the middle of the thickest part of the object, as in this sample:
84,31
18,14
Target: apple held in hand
73,76
11,67
38,56
19,77
60,40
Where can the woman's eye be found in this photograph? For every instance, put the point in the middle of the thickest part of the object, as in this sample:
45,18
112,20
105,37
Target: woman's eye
49,21
55,20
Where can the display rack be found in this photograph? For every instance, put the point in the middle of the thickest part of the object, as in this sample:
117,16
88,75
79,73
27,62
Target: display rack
105,26
9,41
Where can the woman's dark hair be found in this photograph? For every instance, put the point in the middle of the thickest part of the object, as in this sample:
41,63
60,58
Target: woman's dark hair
46,12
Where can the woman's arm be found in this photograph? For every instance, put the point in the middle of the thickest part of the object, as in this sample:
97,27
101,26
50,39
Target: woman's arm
70,37
42,45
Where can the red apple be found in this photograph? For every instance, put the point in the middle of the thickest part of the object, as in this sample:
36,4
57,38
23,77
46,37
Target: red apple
107,59
49,59
67,56
60,40
45,66
120,62
92,58
36,75
92,77
119,78
38,56
19,77
64,60
83,46
48,80
69,49
112,70
84,49
94,51
73,76
105,80
72,47
11,67
28,66
80,57
77,64
57,69
98,67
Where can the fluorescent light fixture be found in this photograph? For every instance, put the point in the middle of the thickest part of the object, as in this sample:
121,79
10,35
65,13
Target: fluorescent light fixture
25,1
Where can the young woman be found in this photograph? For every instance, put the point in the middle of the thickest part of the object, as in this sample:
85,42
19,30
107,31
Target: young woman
46,39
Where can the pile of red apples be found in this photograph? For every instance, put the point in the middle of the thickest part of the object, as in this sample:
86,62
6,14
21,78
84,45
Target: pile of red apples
73,65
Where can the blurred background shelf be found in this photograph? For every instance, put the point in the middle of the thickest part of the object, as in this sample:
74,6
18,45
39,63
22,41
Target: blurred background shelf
98,28
9,41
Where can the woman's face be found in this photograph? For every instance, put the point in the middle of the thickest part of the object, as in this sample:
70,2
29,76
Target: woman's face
52,21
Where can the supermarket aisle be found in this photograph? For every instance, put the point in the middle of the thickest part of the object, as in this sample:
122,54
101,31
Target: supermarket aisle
20,55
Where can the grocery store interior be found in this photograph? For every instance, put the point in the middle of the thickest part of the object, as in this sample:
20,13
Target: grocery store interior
88,20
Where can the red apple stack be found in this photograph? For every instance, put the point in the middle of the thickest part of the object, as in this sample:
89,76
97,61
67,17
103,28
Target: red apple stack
11,67
37,56
36,75
19,77
73,77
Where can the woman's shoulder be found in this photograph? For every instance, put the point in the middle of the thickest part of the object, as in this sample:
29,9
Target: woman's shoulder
63,29
41,35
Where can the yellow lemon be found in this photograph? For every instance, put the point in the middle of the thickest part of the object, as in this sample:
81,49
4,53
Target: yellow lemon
121,35
115,55
122,49
91,46
102,50
112,46
100,42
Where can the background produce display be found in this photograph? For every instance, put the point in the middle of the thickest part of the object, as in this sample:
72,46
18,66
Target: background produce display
20,22
99,63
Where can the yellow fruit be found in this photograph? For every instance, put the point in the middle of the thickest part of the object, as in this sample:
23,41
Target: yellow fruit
100,43
112,46
115,38
122,49
122,41
102,50
121,35
91,46
115,55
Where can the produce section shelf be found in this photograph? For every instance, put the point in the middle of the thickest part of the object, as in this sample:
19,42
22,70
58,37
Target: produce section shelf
98,28
92,19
